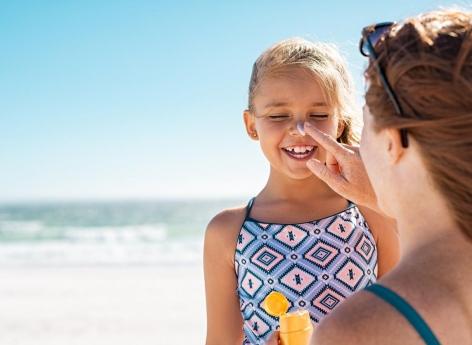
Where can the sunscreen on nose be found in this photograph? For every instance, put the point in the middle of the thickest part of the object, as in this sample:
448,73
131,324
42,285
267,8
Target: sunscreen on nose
301,127
295,327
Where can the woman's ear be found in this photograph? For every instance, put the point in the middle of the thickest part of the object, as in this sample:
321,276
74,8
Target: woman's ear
395,150
250,123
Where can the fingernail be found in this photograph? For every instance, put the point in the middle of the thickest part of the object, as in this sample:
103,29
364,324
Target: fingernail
311,163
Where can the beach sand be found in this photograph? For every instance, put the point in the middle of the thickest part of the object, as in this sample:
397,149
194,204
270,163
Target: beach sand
102,305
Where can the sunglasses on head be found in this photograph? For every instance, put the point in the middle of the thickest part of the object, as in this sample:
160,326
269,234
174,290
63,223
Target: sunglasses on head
371,35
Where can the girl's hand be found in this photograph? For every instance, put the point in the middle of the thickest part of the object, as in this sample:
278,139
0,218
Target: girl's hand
274,339
344,170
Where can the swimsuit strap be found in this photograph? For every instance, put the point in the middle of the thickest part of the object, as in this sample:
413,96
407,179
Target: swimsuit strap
404,308
249,207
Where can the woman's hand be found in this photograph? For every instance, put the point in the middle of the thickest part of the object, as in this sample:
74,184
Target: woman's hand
344,170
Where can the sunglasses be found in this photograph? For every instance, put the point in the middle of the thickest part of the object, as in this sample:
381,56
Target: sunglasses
371,35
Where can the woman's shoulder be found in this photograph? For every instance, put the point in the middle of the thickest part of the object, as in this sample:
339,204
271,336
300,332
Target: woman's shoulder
366,318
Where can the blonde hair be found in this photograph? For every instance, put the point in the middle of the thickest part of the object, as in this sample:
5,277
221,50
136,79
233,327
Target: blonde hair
326,64
428,62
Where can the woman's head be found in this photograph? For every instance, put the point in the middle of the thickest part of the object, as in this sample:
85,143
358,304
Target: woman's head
427,60
295,81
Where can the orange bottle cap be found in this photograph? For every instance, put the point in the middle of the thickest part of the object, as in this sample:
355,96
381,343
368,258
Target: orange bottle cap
276,304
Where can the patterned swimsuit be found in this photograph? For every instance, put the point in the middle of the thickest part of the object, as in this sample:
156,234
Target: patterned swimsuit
316,265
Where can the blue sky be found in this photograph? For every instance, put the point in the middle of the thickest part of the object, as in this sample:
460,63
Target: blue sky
143,99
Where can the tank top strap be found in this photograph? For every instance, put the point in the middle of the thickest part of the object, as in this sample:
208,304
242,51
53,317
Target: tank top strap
249,207
408,312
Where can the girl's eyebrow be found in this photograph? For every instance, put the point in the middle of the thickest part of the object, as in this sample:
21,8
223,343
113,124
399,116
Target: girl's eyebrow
319,104
275,104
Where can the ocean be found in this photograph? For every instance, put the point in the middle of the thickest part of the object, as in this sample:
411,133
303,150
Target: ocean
105,233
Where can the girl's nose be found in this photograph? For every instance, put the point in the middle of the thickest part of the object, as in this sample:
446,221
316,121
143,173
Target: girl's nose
298,128
301,127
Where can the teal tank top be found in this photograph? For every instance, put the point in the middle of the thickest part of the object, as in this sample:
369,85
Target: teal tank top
404,308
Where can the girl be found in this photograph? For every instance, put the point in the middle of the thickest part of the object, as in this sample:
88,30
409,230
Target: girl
296,236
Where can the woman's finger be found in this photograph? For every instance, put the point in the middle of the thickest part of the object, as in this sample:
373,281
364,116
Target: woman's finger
331,160
327,174
326,141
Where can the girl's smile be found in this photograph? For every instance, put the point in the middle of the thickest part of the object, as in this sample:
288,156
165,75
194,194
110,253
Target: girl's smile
300,152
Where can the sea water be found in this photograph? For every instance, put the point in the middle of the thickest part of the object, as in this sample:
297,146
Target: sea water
102,233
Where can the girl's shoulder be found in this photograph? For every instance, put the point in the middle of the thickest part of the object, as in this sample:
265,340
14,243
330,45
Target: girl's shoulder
379,224
223,229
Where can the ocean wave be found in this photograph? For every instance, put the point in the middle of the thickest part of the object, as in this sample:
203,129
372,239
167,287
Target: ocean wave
10,229
90,233
60,253
34,231
128,234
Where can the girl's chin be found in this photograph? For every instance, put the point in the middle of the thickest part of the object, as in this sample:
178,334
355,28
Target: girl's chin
300,174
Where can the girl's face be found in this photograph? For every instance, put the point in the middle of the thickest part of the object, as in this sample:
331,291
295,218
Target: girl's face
280,102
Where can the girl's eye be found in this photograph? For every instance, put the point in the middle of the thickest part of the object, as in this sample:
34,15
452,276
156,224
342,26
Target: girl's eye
279,117
319,116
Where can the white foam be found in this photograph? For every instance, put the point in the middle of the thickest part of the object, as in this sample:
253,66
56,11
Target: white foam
23,227
93,253
114,234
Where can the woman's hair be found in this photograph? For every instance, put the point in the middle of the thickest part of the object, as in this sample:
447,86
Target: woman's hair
428,61
325,63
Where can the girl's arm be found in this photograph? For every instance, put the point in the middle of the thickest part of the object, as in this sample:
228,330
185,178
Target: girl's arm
224,321
385,233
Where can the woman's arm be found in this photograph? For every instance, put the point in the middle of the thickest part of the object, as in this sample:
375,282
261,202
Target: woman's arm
385,233
224,321
345,173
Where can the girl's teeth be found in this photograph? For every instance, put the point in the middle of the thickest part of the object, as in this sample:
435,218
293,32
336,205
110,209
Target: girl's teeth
300,149
300,152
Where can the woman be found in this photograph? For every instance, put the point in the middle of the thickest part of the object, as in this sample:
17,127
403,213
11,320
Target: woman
417,151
